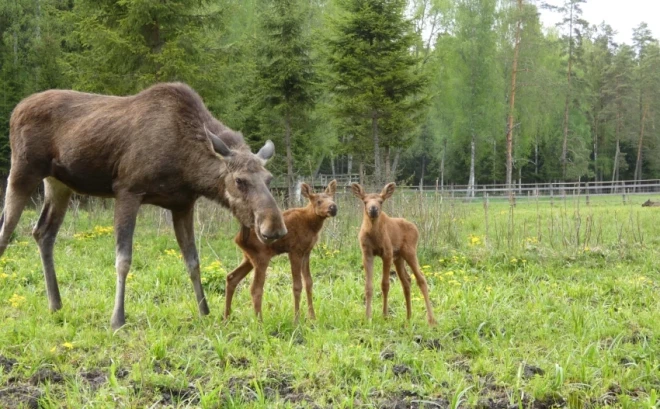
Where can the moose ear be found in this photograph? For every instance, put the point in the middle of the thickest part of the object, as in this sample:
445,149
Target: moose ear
218,146
357,190
305,190
332,188
388,190
267,151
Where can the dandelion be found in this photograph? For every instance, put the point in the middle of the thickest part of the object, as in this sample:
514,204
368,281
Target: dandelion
171,252
16,300
4,275
129,277
514,260
449,273
67,345
53,349
426,267
474,240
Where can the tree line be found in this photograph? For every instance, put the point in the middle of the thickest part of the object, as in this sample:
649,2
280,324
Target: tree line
418,91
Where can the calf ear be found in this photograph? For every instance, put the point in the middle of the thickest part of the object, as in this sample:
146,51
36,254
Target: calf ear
305,190
388,190
357,190
332,188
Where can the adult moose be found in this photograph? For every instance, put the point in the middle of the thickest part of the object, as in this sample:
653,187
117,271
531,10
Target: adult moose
160,147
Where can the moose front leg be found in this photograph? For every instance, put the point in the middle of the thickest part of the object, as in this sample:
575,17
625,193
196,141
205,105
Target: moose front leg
307,278
185,235
126,210
296,274
368,263
385,283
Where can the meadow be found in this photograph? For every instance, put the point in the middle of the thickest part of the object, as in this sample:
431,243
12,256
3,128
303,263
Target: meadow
539,305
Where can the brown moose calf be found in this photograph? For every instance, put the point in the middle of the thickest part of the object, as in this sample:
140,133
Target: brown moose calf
649,203
393,240
303,226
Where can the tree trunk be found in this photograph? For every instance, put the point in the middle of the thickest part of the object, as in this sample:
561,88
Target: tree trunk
395,164
361,172
332,165
374,133
512,99
289,159
387,164
349,165
421,179
564,146
615,170
472,159
640,145
442,165
536,157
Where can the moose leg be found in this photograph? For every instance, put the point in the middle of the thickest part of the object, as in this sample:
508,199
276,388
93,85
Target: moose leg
405,283
257,287
233,279
296,273
307,278
411,259
385,283
56,200
126,210
368,263
184,230
19,189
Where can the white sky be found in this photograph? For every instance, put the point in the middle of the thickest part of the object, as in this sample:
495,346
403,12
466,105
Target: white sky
622,15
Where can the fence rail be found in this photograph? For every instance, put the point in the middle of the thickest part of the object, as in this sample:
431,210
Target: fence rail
559,189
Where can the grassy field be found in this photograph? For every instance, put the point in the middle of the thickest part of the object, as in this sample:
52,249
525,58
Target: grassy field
539,305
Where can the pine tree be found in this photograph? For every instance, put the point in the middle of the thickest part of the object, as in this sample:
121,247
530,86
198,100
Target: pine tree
373,78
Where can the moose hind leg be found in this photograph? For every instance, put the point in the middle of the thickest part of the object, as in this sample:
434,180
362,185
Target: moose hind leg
56,201
233,279
405,283
126,210
423,286
185,236
19,189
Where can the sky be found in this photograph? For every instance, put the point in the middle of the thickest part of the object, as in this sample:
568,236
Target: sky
622,15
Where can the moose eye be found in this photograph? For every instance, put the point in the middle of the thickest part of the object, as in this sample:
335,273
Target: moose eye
270,179
241,183
318,202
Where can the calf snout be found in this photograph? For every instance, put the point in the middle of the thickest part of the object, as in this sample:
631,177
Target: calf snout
373,212
333,210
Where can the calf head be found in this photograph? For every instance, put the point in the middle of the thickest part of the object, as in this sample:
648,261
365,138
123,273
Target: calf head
246,189
323,203
373,202
648,203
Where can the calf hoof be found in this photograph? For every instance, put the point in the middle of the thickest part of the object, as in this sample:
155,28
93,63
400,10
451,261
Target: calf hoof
432,322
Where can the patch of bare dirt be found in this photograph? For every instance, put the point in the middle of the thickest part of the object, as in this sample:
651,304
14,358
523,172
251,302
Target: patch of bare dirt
188,395
94,377
20,396
7,364
44,375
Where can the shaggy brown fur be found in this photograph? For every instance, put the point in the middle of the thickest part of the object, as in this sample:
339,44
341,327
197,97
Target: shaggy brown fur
393,240
649,203
303,225
158,147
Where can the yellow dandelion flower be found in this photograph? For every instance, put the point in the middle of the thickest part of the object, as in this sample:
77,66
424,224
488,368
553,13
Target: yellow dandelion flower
4,275
53,349
67,345
16,300
129,276
449,273
514,260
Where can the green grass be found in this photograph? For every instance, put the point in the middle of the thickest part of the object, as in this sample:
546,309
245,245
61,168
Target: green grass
536,304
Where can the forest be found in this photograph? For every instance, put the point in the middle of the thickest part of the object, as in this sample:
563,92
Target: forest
417,91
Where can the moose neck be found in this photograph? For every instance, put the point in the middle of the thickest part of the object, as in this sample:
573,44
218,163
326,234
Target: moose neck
314,221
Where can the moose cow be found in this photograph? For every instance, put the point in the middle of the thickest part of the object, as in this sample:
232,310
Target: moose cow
160,147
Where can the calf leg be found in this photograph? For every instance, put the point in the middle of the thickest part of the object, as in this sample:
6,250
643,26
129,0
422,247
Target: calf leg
56,200
307,278
126,210
368,263
405,283
385,283
184,229
411,259
296,273
257,287
233,279
20,185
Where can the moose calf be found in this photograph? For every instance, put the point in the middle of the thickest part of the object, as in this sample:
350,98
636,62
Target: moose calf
391,239
303,226
649,203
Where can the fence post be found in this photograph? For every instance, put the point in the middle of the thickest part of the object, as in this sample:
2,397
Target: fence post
586,192
552,195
